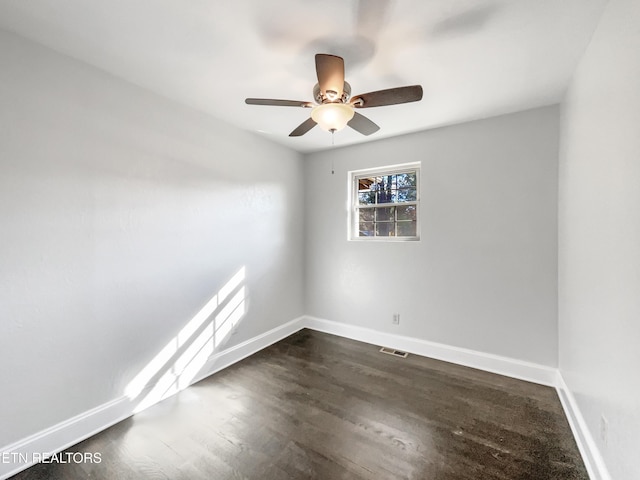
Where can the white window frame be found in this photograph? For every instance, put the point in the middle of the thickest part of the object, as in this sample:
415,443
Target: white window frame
354,206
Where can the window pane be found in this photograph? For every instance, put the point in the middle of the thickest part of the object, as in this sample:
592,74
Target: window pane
407,229
407,212
386,196
386,229
366,198
365,229
385,214
406,180
366,214
407,195
384,187
365,183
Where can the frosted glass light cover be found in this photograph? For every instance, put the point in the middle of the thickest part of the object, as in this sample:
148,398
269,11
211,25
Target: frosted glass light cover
332,116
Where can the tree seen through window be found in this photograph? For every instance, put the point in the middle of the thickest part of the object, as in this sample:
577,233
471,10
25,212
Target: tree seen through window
386,204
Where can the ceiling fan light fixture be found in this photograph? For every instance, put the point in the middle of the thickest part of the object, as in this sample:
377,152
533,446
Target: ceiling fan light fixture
334,108
332,116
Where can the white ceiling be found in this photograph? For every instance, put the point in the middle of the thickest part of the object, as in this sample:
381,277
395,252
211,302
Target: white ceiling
474,58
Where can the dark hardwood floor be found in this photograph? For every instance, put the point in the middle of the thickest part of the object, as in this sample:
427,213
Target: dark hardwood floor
317,406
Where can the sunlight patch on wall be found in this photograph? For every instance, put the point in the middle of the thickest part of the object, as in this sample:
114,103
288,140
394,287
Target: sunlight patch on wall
229,316
177,364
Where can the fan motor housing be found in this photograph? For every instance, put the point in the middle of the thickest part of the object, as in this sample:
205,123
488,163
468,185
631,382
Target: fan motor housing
320,98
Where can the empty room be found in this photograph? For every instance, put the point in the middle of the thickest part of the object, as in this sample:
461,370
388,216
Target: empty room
295,239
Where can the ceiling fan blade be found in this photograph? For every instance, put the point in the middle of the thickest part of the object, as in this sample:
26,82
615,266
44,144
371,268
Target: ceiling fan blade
330,71
303,128
392,96
362,124
277,103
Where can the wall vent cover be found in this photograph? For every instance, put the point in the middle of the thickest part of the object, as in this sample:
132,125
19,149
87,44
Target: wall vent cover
395,353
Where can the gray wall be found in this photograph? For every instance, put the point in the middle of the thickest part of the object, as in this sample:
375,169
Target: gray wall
484,275
599,242
123,214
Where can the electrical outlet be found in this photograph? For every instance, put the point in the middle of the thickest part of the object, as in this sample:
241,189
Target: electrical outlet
396,319
604,429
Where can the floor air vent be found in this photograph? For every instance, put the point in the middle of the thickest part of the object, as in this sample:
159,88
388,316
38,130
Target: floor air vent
395,353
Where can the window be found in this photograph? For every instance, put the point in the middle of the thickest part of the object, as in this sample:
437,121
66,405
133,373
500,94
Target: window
384,203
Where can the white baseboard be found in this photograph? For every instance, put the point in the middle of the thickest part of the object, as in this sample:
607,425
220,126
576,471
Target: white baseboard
591,456
65,434
509,367
228,357
25,452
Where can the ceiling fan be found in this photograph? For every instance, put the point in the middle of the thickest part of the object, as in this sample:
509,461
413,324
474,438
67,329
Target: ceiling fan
335,108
